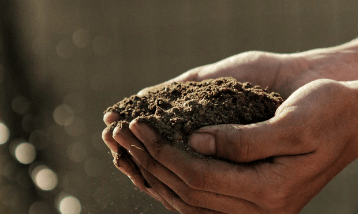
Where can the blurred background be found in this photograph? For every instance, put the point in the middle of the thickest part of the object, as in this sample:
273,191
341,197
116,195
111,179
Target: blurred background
62,63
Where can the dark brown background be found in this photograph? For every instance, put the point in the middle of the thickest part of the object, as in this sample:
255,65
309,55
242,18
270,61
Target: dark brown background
91,54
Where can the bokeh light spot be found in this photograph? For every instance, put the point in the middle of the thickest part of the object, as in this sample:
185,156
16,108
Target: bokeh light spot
44,178
63,115
25,153
81,38
64,49
4,133
20,105
70,205
77,152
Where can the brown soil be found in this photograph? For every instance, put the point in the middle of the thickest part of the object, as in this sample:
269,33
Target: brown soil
176,110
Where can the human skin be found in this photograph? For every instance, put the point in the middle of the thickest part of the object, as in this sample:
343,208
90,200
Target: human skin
311,138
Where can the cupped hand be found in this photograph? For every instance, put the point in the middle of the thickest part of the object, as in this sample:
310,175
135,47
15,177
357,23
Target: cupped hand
255,66
283,73
275,166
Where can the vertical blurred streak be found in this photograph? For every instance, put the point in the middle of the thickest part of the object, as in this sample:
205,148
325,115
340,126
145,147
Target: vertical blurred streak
15,62
16,80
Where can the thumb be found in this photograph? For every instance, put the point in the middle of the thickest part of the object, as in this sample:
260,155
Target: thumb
246,143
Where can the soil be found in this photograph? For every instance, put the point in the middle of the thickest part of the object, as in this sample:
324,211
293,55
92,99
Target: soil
176,110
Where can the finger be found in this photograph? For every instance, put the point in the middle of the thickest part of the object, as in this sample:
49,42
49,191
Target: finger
108,139
110,117
173,199
120,157
198,173
197,198
121,133
161,199
126,165
123,161
279,136
190,196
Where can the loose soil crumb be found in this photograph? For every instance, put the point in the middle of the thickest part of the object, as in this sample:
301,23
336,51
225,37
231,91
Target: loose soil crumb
176,110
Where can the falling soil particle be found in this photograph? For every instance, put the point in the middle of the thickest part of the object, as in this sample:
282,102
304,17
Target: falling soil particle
176,110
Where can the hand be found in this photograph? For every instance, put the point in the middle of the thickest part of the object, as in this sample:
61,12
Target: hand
292,156
248,66
283,73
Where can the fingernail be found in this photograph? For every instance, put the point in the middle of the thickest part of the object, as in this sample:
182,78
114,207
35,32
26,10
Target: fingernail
203,143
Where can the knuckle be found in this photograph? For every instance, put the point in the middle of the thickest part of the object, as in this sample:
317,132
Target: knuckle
235,144
255,55
240,146
143,91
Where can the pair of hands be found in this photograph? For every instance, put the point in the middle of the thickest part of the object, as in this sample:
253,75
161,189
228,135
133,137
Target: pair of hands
308,141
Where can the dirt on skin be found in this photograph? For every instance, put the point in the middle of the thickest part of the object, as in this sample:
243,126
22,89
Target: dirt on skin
176,110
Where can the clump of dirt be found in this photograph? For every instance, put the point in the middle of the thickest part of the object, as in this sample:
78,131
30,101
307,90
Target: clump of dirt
176,110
